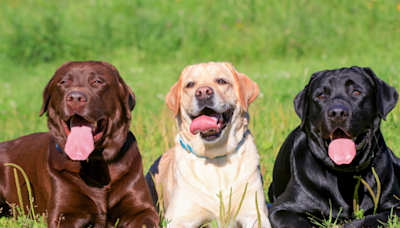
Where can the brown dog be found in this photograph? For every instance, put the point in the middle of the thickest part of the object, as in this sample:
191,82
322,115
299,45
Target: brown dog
88,168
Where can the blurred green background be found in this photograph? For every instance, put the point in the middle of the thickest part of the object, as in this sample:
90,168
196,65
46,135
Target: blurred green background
278,44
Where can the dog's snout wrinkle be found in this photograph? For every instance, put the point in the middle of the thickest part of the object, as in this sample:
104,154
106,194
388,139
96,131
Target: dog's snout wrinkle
76,96
204,93
338,113
76,99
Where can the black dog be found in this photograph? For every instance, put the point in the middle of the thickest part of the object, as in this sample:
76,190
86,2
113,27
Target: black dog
339,138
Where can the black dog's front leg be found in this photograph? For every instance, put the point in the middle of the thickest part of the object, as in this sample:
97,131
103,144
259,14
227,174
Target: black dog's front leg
286,219
372,220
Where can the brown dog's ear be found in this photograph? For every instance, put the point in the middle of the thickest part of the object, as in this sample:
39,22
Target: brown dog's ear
248,89
46,91
129,96
46,97
173,96
386,95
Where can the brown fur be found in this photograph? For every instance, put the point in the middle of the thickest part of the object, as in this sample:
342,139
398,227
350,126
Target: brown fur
108,186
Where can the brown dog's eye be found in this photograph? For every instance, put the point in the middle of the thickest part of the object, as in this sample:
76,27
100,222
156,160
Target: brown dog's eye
190,85
356,92
63,82
97,82
321,96
221,81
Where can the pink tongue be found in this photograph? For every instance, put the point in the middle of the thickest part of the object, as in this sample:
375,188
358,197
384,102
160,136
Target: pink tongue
205,123
342,151
80,142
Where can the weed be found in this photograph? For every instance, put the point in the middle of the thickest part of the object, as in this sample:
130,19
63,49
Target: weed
393,221
160,203
376,197
326,223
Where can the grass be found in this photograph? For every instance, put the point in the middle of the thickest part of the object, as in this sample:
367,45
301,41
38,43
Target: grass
159,31
278,44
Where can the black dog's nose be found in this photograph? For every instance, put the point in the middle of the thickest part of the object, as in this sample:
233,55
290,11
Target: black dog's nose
338,113
204,93
76,98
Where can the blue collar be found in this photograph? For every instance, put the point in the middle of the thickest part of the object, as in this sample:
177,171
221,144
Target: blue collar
189,149
59,149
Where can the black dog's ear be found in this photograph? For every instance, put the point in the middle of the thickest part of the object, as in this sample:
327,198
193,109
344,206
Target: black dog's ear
386,95
301,102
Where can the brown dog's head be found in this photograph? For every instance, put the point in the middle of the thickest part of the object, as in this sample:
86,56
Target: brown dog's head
210,103
89,107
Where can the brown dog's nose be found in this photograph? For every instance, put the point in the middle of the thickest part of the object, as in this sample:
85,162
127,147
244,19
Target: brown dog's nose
204,93
76,99
338,113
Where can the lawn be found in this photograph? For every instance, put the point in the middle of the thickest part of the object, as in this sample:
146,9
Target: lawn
278,44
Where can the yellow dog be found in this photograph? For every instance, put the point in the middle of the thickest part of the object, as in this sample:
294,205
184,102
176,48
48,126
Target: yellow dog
214,151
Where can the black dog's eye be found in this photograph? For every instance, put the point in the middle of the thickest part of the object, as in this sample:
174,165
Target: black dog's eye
356,92
221,81
321,96
190,85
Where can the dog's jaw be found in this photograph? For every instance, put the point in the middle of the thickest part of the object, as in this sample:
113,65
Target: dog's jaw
226,144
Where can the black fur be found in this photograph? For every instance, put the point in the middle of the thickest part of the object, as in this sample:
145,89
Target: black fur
307,182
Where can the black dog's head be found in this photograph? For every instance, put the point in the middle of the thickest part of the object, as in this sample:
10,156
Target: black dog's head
341,111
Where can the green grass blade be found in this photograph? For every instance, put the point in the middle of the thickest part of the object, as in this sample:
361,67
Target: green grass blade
378,193
240,205
229,208
258,213
28,186
21,203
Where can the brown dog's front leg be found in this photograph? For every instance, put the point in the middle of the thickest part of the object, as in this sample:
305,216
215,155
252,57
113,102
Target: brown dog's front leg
143,218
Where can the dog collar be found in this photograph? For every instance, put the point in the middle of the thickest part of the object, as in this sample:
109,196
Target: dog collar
189,149
59,150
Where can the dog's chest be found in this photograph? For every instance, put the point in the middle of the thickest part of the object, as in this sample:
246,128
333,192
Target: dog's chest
216,177
212,176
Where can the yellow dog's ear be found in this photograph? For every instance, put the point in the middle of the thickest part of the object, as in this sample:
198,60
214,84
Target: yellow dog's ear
247,90
174,95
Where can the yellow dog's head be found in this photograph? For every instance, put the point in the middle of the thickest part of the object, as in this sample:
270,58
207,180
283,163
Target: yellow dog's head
210,103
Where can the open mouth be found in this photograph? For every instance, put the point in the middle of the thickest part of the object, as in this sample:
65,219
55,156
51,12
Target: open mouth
210,123
97,128
338,133
342,148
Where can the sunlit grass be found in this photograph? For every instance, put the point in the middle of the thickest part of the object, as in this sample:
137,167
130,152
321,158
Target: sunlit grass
278,44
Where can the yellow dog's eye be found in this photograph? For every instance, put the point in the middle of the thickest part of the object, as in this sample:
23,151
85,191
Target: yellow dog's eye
221,81
190,85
